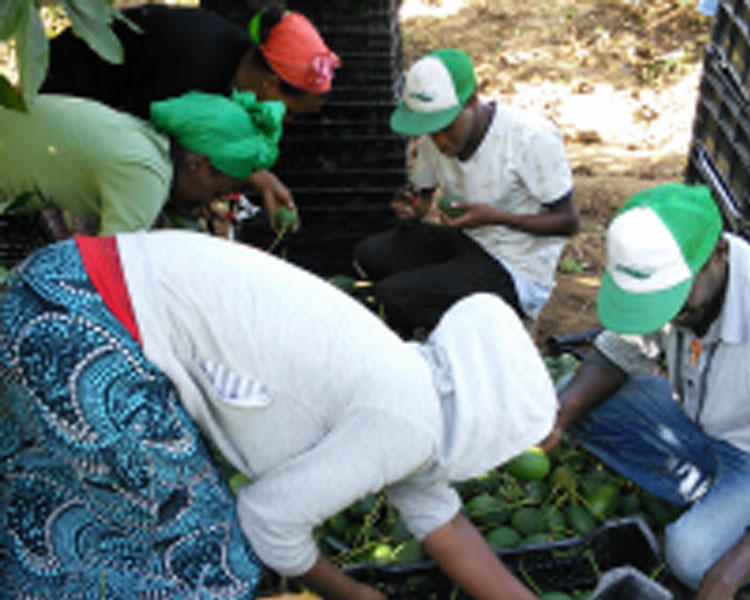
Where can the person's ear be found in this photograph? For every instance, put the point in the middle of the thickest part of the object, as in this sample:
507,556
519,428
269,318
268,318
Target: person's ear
197,163
721,253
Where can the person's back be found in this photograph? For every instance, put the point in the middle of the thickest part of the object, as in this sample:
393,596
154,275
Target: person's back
106,167
177,50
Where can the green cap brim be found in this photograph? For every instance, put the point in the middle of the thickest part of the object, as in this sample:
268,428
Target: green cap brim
629,313
408,122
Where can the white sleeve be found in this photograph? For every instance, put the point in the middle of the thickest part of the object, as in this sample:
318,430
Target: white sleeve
424,505
544,166
362,455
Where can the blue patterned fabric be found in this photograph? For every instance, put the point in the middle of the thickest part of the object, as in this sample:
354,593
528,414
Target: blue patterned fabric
107,490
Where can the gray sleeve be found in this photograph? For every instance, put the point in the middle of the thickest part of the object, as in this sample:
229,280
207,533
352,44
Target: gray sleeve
632,354
363,454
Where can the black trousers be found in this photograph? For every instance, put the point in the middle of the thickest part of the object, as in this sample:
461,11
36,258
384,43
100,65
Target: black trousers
420,269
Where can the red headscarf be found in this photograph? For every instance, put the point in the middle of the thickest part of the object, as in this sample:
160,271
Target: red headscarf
297,54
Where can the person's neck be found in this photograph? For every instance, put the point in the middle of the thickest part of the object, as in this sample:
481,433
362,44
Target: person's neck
717,303
485,113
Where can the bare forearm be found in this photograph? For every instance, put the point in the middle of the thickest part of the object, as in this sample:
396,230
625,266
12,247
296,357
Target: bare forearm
333,584
729,573
466,558
559,219
544,223
590,386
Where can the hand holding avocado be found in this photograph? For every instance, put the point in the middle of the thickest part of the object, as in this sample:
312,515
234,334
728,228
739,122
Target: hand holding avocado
284,219
456,212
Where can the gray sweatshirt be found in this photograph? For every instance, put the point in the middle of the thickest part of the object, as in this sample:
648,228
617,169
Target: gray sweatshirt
713,386
312,396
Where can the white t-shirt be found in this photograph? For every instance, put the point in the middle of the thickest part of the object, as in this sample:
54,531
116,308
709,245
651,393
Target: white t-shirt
310,394
519,167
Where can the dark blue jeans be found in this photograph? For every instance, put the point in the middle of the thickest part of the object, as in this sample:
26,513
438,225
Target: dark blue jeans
643,434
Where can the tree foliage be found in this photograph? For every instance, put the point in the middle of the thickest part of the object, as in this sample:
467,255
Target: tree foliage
20,22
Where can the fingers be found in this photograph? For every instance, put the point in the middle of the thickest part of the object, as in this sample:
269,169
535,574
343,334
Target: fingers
403,210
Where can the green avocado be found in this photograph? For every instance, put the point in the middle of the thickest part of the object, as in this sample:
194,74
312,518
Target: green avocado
529,465
486,509
284,218
528,520
445,205
603,500
503,537
580,519
410,551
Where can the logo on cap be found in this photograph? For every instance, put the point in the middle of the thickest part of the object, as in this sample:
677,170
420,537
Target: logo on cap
632,272
421,96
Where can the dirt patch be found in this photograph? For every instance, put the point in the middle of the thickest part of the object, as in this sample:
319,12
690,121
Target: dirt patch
618,78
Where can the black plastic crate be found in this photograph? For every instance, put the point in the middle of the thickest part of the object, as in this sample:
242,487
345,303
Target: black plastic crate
702,170
325,247
336,10
349,181
720,147
362,109
565,565
379,88
731,37
627,583
378,19
354,154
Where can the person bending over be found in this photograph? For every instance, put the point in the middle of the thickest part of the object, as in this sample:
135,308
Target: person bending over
120,354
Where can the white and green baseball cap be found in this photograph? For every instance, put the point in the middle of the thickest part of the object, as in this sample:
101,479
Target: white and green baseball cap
435,90
656,244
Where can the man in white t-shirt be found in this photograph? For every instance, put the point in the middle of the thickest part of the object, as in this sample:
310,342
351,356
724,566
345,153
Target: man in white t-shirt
511,172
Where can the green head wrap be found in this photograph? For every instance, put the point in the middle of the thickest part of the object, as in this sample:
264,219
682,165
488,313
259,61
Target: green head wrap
239,134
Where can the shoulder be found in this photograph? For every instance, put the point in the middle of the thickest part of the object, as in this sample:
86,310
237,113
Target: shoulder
522,124
73,118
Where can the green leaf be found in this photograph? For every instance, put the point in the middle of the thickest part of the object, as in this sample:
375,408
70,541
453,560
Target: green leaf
99,10
129,22
10,97
11,15
32,52
93,30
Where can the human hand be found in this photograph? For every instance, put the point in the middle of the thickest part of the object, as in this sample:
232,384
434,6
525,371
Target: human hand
553,438
728,573
474,214
274,194
365,592
407,203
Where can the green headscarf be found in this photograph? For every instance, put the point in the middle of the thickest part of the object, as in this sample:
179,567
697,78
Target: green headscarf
240,135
